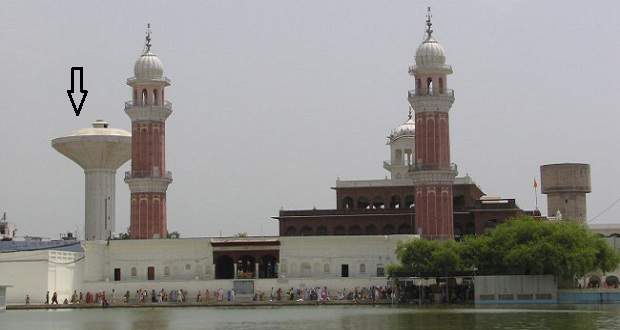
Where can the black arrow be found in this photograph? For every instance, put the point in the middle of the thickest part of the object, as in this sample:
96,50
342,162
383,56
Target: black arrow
77,109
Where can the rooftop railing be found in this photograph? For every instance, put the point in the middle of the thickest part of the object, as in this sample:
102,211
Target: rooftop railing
131,104
147,174
431,92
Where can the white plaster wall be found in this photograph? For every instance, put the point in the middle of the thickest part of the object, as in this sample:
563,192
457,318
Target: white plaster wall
36,272
26,272
304,257
187,259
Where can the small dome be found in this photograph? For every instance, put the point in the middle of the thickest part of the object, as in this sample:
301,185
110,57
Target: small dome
148,66
406,129
430,53
100,127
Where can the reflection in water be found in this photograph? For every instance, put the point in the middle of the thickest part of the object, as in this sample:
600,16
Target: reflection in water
321,317
149,319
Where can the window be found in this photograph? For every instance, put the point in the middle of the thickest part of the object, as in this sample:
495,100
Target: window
344,270
150,273
362,268
117,274
134,272
166,271
380,270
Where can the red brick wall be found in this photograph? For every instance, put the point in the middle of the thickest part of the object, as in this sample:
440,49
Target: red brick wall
148,215
148,148
432,140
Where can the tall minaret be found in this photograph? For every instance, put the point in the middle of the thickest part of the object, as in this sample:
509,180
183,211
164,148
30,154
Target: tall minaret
433,174
148,179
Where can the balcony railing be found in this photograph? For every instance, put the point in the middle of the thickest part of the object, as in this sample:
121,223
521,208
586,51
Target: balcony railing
147,174
431,92
420,167
131,104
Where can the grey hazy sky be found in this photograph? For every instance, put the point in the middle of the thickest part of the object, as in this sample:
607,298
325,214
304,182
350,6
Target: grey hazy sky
275,99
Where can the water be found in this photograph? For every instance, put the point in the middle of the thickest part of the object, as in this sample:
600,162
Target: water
317,317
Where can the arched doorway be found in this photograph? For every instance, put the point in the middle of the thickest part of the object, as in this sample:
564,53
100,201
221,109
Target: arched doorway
267,267
388,230
246,266
224,268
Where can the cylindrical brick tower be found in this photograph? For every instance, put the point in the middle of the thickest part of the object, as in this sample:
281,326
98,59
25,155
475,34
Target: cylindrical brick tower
566,186
433,174
148,179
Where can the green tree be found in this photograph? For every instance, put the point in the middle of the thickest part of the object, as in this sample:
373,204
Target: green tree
522,246
427,258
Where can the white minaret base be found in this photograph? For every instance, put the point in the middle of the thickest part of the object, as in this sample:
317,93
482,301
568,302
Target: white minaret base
99,203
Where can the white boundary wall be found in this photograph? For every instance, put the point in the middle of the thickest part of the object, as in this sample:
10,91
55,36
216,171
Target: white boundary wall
515,289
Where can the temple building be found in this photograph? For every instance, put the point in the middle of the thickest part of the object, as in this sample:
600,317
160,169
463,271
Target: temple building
423,194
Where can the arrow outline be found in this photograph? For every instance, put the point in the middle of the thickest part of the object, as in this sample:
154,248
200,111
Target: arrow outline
84,92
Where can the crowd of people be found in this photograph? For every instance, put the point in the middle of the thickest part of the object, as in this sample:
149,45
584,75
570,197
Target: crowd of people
219,296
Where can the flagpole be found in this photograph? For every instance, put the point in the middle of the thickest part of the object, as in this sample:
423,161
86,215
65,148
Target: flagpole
535,194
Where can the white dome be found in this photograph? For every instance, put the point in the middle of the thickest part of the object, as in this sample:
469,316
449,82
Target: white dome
406,129
430,53
148,66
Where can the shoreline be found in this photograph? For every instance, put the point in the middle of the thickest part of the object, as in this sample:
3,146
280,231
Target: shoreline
208,305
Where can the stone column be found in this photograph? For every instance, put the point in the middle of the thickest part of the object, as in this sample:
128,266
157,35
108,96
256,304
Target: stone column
235,268
214,272
256,270
277,269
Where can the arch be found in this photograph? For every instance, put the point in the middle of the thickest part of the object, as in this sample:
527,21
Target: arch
291,231
339,230
470,228
409,202
246,265
395,202
398,156
355,230
293,269
306,269
306,231
145,96
490,225
388,230
326,268
362,268
155,98
429,86
166,271
134,272
267,267
362,203
457,230
224,268
371,230
321,230
404,229
594,282
378,203
347,203
612,281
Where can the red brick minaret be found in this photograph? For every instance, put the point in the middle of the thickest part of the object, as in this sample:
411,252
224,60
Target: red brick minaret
148,179
433,173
